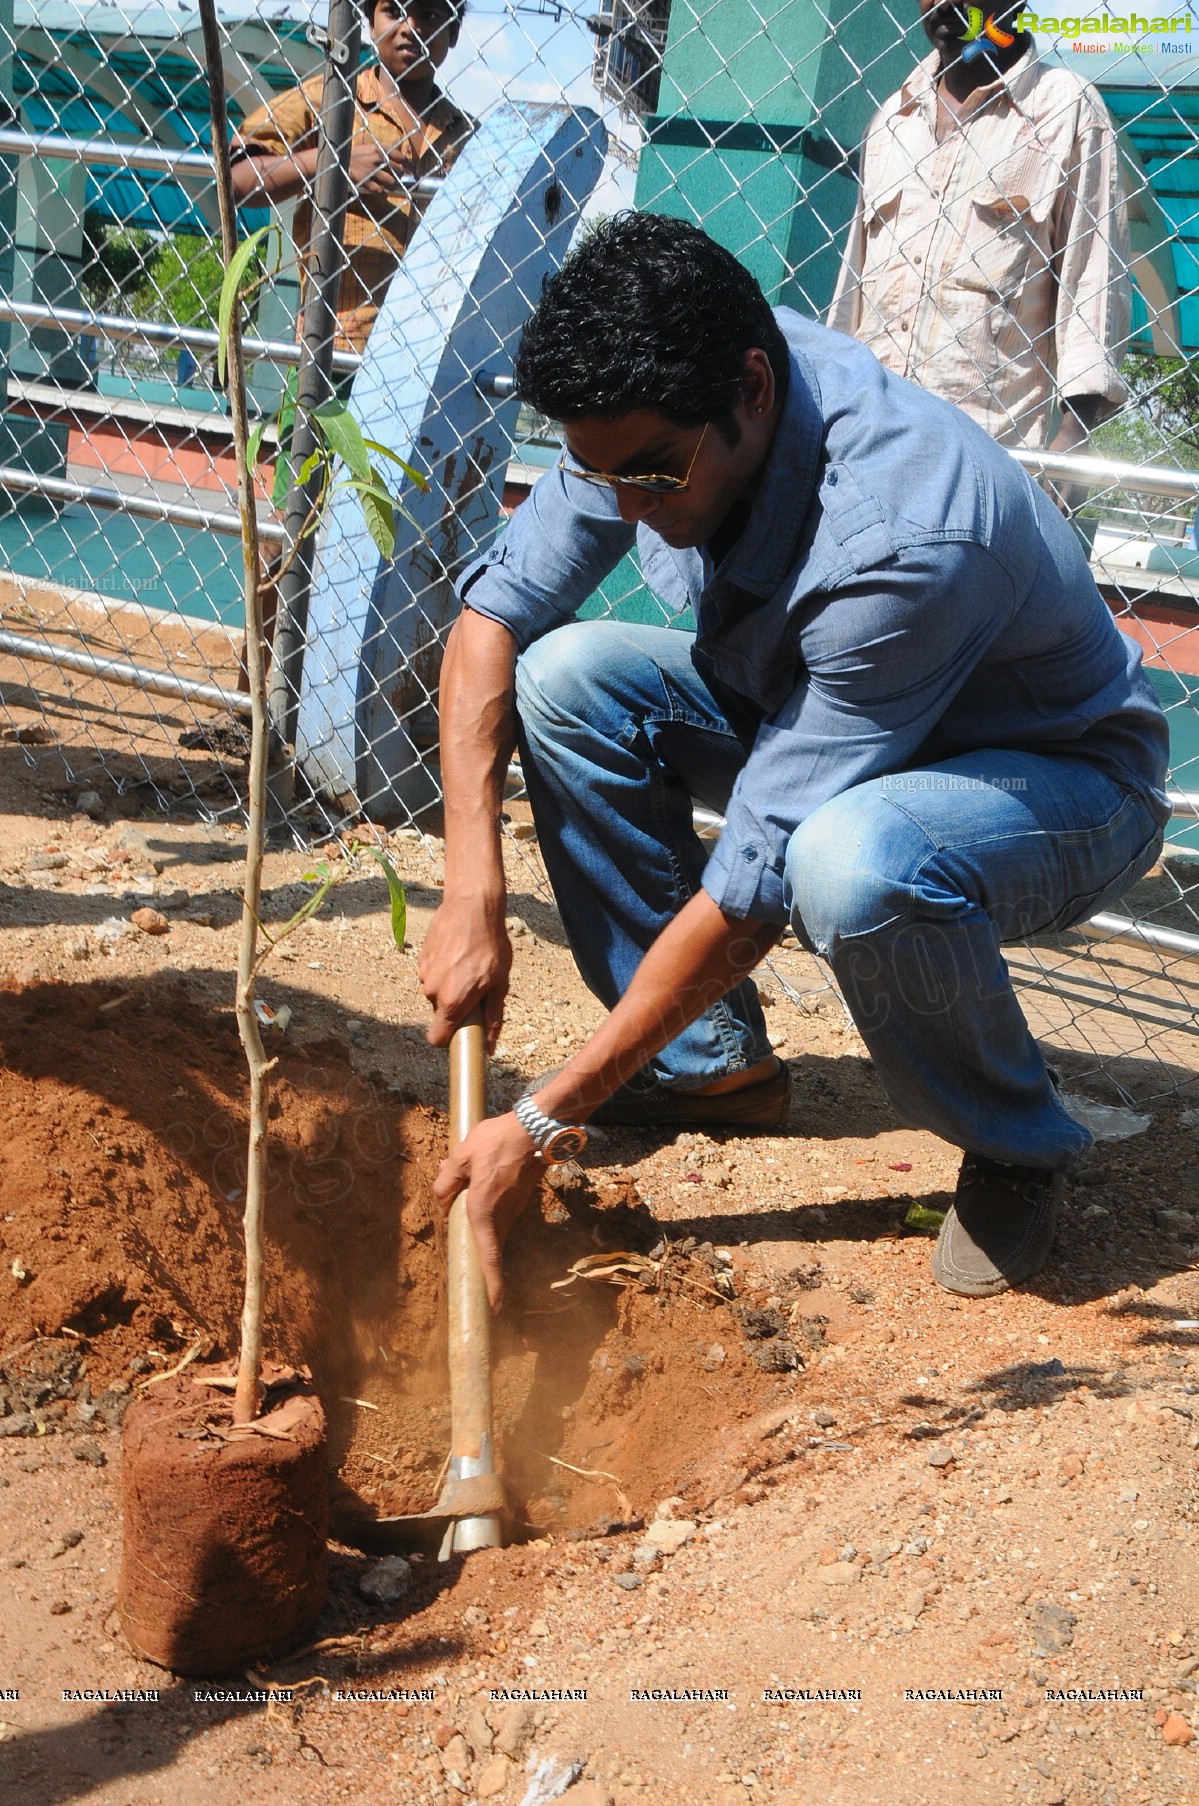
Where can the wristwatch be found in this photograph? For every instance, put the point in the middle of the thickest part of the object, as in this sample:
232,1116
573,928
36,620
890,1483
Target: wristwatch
555,1142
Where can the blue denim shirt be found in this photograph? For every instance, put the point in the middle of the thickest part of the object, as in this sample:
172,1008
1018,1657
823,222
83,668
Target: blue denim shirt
902,592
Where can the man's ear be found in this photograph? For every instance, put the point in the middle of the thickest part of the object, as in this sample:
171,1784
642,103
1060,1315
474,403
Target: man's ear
758,385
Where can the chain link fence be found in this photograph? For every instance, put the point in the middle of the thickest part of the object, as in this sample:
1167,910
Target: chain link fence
788,128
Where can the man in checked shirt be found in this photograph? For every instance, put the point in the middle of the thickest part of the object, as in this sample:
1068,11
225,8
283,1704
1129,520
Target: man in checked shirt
403,127
988,254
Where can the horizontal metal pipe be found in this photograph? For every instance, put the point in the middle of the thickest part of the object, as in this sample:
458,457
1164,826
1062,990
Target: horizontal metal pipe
494,386
156,159
1149,479
1123,928
181,514
1183,802
120,671
163,334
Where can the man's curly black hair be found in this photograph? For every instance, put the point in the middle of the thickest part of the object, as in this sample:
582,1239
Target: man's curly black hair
457,7
647,312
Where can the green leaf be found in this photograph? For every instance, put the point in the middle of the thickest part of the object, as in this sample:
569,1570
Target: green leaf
399,901
283,427
309,907
254,444
344,437
378,508
311,463
235,270
385,451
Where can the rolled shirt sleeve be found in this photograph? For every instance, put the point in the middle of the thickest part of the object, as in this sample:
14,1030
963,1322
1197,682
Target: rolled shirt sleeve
1094,304
845,309
287,123
560,545
881,661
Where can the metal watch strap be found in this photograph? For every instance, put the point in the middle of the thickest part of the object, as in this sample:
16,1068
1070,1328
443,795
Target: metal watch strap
536,1124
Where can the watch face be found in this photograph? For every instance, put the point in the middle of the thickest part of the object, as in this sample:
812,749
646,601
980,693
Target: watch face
564,1144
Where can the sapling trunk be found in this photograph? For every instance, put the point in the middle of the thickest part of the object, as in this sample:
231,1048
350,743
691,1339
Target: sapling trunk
247,1397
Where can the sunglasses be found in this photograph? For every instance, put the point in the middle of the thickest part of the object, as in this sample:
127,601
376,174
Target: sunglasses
653,483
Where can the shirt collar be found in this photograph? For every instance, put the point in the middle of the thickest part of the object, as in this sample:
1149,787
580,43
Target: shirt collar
920,88
370,95
765,551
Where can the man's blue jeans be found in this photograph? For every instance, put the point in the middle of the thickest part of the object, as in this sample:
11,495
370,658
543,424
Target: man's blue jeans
907,885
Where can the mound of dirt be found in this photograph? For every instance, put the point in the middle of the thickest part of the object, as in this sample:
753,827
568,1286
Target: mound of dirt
121,1190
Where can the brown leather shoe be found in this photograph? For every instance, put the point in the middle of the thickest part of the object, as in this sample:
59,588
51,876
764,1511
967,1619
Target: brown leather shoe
1000,1228
763,1106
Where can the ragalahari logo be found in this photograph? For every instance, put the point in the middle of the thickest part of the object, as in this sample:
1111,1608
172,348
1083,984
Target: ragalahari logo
981,29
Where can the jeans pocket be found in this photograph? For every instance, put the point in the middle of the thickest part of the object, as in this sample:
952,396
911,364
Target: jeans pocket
1078,909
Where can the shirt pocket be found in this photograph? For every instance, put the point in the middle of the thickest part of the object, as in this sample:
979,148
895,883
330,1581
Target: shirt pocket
1008,227
885,267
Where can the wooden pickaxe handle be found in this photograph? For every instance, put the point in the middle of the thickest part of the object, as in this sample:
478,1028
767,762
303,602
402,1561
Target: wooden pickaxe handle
472,1440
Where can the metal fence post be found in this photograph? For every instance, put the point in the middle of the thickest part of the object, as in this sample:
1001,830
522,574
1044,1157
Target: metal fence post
326,261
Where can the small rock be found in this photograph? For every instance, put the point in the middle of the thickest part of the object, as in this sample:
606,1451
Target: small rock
669,1534
89,1450
478,1734
493,1777
46,862
77,946
132,840
386,1580
812,1330
474,1614
516,926
841,1574
113,1404
587,1793
60,1608
823,1418
455,1757
1071,1465
914,1602
778,1356
1053,1628
716,1173
90,802
21,1423
714,1357
1176,1731
513,1731
940,1457
1127,1495
628,1581
70,1539
150,921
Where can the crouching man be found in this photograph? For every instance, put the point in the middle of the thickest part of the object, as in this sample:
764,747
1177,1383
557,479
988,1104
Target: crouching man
904,692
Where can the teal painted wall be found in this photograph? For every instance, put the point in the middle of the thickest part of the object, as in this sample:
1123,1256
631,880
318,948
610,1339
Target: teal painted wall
757,108
758,104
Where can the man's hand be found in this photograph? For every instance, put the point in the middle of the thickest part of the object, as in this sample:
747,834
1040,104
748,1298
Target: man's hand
498,1168
377,174
465,963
